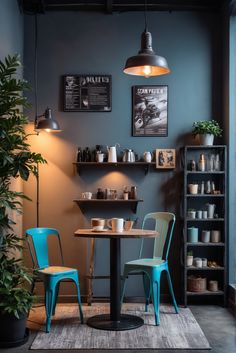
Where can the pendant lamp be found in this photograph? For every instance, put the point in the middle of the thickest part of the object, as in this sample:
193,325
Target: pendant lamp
146,62
43,122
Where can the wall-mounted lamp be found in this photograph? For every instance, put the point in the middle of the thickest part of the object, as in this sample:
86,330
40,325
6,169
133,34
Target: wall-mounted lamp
146,62
46,122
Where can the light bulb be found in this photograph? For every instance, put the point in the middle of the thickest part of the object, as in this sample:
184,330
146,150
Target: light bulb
48,130
147,70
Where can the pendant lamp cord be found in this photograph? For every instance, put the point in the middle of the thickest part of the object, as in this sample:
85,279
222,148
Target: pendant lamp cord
36,64
145,15
36,105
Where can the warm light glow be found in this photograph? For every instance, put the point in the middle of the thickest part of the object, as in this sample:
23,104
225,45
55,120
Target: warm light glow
48,130
147,70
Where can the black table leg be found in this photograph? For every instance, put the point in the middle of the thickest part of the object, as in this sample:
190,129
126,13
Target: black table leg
115,321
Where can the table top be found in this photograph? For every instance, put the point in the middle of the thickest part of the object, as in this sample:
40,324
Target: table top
107,233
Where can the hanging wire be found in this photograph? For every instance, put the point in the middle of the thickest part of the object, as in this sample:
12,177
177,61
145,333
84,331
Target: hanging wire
36,64
36,105
145,15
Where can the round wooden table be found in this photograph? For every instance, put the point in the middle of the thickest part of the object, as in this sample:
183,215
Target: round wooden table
115,321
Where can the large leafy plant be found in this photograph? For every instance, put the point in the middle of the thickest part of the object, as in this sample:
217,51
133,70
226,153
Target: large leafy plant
207,127
16,160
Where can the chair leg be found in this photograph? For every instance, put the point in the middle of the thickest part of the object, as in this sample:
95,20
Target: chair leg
55,298
49,301
172,291
156,300
147,290
79,298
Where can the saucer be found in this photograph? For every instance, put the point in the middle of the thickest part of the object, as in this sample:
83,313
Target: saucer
100,231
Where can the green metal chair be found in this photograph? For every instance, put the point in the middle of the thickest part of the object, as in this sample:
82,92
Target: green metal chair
50,275
152,268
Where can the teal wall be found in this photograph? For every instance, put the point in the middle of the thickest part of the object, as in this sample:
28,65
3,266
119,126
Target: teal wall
11,29
95,43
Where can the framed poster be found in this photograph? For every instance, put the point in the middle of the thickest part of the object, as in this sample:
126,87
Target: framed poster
87,93
149,113
165,158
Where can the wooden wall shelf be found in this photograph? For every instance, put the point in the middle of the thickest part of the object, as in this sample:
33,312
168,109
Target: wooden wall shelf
132,203
144,165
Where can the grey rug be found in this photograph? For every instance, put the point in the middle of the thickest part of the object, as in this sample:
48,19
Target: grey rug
176,331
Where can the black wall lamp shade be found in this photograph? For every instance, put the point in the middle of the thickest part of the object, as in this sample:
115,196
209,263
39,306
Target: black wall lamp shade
146,63
46,122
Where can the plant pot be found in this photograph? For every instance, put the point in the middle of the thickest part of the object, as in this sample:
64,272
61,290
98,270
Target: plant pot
206,139
13,331
189,260
191,214
193,189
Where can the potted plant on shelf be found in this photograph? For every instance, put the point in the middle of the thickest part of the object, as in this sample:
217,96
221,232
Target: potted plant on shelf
189,258
16,160
206,131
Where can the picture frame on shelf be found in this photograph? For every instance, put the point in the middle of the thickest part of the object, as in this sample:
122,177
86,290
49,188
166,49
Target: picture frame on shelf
166,158
150,110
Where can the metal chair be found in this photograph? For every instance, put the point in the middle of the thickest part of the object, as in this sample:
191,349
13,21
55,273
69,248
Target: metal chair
152,268
50,275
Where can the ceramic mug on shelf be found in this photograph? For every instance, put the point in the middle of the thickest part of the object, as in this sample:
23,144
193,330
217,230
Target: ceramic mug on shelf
87,195
116,224
100,157
97,224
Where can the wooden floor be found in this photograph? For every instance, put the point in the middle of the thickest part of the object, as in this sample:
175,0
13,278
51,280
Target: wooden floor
177,331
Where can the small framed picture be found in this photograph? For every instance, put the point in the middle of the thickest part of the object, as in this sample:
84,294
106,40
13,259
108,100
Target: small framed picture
149,113
165,158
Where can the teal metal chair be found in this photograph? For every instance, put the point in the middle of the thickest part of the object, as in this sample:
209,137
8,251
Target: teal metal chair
152,268
50,275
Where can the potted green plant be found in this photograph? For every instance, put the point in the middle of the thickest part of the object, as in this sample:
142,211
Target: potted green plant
206,131
16,160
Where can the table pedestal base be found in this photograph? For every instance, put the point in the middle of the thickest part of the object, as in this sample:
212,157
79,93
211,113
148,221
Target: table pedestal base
104,322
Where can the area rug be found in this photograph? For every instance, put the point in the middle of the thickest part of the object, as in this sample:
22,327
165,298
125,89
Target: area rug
176,331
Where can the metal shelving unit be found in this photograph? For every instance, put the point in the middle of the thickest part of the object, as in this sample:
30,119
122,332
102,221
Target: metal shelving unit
212,251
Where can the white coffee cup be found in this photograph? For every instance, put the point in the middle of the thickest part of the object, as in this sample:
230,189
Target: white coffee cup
116,224
100,157
87,195
97,224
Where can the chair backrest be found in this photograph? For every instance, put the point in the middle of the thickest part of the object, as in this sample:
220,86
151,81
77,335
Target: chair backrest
39,238
164,224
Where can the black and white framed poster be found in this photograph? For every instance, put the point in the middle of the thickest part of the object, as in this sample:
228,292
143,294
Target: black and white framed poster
149,115
91,93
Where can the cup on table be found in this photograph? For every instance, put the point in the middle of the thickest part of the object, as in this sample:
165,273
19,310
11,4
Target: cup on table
128,225
97,224
116,224
87,195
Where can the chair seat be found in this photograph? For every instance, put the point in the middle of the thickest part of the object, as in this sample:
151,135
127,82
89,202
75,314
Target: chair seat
146,262
56,270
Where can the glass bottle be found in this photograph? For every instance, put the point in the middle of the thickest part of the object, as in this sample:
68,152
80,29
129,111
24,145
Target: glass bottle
79,155
202,163
86,155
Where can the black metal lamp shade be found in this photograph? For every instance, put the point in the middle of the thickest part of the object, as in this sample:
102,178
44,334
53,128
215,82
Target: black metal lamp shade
146,63
46,122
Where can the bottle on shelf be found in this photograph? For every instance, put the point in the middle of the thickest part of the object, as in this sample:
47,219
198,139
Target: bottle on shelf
202,163
86,155
96,152
79,155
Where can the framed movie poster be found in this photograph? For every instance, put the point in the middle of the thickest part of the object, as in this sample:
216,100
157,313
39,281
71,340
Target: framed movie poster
150,111
165,158
87,93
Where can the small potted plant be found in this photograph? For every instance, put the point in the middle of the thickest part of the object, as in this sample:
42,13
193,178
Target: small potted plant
206,131
190,258
191,213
